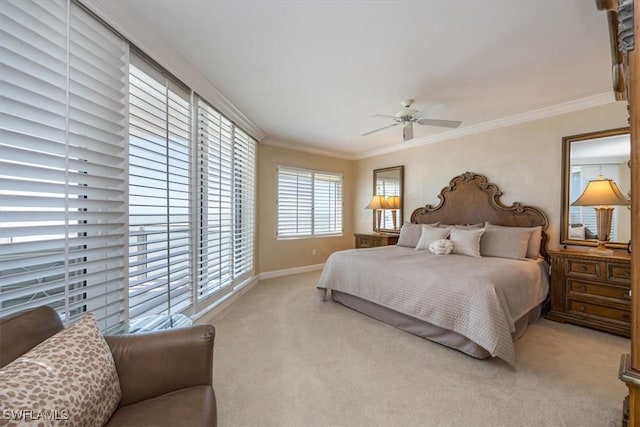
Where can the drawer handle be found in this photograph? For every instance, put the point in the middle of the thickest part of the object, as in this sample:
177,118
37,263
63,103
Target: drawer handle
581,308
626,273
583,288
626,295
583,268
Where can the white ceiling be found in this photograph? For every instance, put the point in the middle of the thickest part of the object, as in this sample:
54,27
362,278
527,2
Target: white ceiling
313,72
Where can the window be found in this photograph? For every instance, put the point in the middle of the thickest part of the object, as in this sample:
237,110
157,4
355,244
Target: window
160,276
244,166
215,187
97,146
62,166
309,203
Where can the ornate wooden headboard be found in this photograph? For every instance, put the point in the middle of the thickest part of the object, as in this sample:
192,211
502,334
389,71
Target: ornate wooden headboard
470,199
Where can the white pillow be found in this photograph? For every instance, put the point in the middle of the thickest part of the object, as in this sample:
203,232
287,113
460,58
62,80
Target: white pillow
431,234
72,371
466,242
576,233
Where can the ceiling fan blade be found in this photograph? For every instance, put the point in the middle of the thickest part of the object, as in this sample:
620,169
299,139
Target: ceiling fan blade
407,132
379,129
386,116
432,110
441,123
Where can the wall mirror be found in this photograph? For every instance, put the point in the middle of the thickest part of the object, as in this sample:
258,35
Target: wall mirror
585,157
389,182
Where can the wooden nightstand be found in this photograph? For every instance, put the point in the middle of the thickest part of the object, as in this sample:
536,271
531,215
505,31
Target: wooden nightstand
371,240
591,290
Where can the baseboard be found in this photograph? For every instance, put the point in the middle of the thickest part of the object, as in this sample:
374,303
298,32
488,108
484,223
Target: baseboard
290,271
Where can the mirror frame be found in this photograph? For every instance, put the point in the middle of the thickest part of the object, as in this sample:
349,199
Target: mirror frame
400,169
566,165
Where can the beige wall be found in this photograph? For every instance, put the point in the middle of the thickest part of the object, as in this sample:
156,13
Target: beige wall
523,160
276,254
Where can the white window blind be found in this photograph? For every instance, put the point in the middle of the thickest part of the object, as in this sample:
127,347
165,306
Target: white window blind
327,203
62,166
309,202
215,193
160,261
244,166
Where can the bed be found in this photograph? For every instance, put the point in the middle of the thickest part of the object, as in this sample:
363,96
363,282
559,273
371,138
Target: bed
477,305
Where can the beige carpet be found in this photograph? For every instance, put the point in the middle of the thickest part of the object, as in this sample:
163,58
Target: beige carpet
284,358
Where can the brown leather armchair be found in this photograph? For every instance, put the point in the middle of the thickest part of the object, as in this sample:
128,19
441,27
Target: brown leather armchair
165,377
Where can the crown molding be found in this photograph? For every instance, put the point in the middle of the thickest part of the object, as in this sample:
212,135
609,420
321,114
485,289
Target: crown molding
125,20
307,149
555,110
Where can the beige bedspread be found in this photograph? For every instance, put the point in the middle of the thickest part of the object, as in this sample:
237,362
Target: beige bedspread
479,298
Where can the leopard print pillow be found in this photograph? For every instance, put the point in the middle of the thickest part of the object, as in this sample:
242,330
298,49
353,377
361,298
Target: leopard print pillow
70,379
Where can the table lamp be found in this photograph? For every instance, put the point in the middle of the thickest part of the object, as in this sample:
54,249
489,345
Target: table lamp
378,203
603,194
394,205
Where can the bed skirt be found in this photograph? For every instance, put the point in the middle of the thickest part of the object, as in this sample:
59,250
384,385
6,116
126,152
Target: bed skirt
424,329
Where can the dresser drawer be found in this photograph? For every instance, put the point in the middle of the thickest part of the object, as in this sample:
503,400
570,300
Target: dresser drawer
375,240
619,273
365,242
582,268
604,312
598,289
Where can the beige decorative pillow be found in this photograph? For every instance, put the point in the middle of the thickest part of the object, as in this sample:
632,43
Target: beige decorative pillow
431,234
469,226
533,245
533,250
505,242
409,235
70,377
466,242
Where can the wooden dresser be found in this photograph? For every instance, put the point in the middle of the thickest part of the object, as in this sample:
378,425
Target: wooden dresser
591,290
371,240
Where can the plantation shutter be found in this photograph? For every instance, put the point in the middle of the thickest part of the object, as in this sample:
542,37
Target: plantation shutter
62,164
159,193
327,203
295,202
244,165
215,192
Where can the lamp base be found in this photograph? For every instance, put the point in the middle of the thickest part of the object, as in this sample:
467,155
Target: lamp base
601,249
603,252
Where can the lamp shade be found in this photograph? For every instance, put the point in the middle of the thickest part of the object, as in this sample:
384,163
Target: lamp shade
378,202
394,202
601,192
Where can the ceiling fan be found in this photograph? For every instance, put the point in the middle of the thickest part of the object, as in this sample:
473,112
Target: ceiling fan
408,116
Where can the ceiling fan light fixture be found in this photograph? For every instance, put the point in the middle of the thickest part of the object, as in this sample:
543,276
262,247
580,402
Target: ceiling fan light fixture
408,116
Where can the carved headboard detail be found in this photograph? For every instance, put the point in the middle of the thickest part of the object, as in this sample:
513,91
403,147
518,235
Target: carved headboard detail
470,199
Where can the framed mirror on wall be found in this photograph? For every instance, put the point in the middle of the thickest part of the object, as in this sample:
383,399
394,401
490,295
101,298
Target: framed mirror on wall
597,157
389,183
